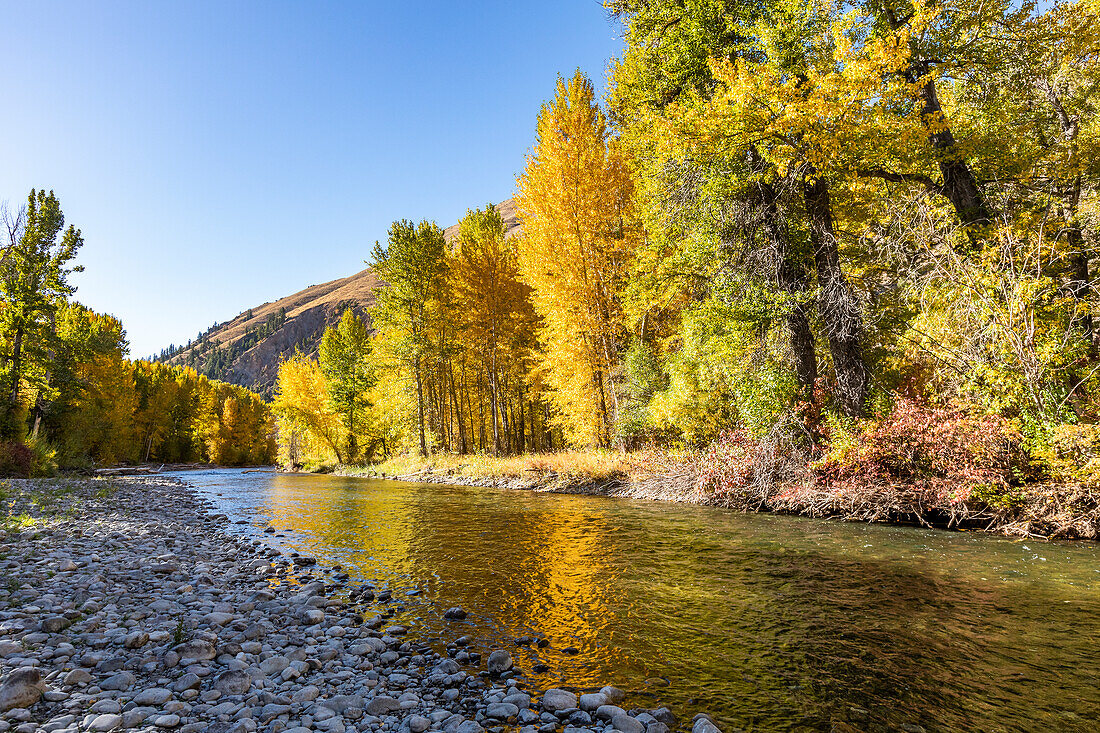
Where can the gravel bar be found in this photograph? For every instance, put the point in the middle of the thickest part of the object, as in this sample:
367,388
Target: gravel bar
125,604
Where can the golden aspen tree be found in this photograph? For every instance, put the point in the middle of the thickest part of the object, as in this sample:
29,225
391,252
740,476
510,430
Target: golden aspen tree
494,306
579,230
303,411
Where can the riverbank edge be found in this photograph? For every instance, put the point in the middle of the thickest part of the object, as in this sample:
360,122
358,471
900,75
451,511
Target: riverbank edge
1043,511
38,660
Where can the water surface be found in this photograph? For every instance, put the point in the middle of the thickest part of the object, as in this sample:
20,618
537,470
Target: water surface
770,623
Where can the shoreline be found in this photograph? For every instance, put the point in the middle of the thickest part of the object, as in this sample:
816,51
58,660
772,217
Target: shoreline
1050,512
133,607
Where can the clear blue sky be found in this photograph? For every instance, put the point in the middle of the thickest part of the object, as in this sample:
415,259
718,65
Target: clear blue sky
218,155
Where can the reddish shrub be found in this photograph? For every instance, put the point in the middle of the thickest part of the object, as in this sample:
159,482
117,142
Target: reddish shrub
949,450
16,460
728,464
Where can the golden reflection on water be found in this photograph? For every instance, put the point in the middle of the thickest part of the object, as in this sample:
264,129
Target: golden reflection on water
770,622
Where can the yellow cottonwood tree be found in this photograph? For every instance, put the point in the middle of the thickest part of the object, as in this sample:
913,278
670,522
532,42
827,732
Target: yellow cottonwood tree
306,421
579,229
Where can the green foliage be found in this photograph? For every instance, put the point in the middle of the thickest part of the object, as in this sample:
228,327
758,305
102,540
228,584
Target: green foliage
345,362
34,274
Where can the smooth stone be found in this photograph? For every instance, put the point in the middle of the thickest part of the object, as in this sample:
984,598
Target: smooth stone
627,724
153,696
592,701
189,681
119,682
22,688
136,640
502,711
469,726
382,705
613,694
274,665
233,682
419,724
704,724
556,699
105,723
499,661
607,712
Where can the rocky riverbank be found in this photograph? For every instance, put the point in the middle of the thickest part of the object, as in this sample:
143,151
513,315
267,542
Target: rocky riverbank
126,605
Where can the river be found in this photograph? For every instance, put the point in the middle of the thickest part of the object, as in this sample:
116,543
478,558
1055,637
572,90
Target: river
770,623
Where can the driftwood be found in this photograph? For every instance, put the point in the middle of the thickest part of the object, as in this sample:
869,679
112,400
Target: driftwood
129,471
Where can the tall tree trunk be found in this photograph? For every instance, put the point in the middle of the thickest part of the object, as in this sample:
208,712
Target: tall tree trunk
605,431
16,368
793,278
455,406
522,424
493,404
420,410
837,305
1078,275
549,429
959,184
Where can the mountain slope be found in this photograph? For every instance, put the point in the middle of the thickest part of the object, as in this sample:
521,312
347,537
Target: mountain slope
248,349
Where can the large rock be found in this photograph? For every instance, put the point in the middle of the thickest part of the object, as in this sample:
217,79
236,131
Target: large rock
22,688
499,662
664,715
556,699
274,665
592,701
198,650
103,723
455,613
155,696
136,640
703,724
382,705
613,694
118,682
233,682
607,712
189,681
53,624
469,726
502,711
627,724
77,677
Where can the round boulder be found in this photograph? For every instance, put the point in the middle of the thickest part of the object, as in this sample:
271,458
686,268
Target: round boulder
499,662
22,688
233,682
555,699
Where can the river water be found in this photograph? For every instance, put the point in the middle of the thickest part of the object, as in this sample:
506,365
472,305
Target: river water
770,623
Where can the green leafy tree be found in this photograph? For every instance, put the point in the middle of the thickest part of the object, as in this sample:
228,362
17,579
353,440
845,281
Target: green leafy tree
33,283
412,265
345,361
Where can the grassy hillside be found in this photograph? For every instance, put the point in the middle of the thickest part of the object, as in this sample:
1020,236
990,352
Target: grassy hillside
247,349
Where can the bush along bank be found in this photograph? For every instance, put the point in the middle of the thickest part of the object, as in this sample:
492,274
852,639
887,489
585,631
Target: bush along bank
919,464
128,606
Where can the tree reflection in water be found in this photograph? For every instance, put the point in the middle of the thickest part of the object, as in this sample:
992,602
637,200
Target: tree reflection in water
771,623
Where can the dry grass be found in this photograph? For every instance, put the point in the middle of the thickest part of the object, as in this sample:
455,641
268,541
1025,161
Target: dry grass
573,466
